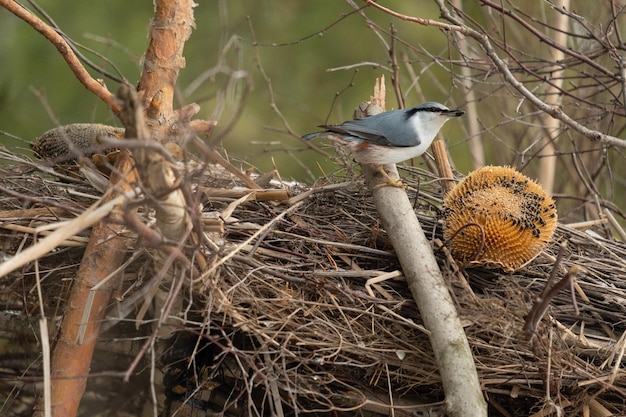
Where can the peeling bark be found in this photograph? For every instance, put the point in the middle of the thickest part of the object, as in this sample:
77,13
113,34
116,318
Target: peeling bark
171,27
71,357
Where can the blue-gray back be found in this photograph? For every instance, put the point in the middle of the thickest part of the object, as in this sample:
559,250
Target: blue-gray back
387,129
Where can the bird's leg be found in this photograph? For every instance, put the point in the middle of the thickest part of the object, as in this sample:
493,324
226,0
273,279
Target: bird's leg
392,182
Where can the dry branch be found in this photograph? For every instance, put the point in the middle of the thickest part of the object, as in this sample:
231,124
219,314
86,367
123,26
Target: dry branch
169,30
454,358
452,352
71,358
476,146
67,230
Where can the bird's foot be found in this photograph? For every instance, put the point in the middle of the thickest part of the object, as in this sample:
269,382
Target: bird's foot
391,182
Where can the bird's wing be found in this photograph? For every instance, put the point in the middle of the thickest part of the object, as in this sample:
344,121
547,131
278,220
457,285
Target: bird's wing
359,131
371,129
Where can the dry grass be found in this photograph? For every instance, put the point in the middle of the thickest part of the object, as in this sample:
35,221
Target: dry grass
295,313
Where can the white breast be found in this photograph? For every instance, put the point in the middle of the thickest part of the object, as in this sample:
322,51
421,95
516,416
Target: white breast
383,155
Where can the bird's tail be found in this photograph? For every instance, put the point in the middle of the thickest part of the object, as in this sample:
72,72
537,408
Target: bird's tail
312,135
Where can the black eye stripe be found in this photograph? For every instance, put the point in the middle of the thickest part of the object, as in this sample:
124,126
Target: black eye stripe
412,111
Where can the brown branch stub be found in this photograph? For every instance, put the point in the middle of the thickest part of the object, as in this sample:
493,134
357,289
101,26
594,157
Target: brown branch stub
446,177
542,303
66,52
169,30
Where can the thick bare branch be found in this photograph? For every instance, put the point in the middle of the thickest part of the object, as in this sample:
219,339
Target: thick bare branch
454,358
170,28
71,358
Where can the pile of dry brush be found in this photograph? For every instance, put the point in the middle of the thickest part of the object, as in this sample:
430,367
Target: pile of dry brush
298,321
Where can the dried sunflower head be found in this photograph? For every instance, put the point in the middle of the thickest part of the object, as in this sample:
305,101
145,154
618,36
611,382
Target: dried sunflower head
513,212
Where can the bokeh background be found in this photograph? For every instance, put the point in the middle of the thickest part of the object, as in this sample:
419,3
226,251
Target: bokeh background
269,71
309,50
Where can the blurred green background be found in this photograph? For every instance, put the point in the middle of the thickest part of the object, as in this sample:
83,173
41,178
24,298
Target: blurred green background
271,70
298,44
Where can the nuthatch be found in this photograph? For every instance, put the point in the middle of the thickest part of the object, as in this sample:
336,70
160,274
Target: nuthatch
393,136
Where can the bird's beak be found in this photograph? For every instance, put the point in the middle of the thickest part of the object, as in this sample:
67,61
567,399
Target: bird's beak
453,113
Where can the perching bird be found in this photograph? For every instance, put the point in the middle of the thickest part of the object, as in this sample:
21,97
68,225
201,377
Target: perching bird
390,137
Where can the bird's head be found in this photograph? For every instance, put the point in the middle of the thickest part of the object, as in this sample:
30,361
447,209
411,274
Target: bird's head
427,118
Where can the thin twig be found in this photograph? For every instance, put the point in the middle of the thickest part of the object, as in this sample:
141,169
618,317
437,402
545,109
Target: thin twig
66,52
502,66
